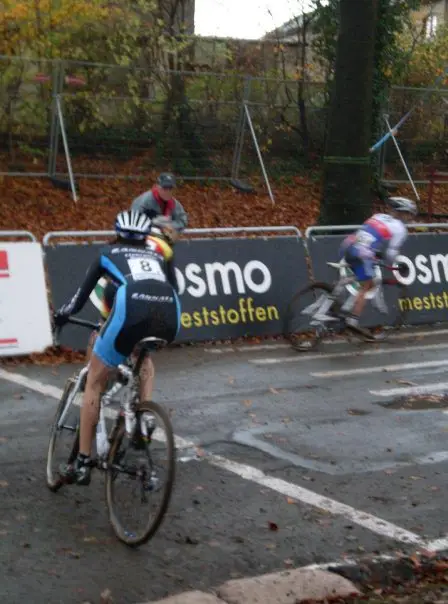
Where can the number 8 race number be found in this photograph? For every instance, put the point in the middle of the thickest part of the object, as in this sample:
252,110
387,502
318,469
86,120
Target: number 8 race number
145,268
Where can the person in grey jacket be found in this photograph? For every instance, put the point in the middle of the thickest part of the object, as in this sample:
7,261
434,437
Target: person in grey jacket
159,202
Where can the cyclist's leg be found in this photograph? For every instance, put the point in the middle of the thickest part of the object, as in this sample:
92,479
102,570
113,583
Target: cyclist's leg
360,302
90,345
361,263
105,357
96,382
147,375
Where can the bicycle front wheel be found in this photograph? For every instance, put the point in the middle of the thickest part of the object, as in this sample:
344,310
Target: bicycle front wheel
63,446
140,475
301,329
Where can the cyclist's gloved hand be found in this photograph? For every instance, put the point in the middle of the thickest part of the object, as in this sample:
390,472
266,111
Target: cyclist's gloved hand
402,268
60,318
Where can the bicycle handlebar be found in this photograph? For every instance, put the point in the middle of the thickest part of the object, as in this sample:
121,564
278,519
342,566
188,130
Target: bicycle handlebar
388,266
74,321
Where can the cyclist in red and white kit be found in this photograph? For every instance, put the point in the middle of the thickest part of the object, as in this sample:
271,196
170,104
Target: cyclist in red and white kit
381,234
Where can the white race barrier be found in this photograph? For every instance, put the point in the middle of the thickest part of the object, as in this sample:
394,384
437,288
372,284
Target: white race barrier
25,325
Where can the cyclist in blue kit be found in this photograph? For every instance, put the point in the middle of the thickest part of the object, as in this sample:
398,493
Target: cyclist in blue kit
145,304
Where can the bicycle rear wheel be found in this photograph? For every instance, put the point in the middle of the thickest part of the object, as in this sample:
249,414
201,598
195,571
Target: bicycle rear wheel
302,331
140,471
63,446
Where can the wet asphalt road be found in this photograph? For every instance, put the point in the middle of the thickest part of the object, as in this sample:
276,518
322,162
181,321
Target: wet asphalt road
319,422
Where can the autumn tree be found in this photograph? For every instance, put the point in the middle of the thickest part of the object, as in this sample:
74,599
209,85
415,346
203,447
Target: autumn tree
147,37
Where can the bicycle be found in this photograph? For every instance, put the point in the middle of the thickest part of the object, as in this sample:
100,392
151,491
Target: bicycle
323,305
134,430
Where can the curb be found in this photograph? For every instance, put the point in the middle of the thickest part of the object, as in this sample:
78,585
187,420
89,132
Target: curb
318,582
388,571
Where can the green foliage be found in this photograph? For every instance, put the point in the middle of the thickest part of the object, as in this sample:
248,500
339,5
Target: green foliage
394,17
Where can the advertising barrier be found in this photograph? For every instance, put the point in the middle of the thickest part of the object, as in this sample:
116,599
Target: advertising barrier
426,277
25,325
229,287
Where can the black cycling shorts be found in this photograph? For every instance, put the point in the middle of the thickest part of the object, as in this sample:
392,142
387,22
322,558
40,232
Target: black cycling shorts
140,310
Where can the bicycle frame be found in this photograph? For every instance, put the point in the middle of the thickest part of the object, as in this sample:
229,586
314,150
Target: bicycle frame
127,376
325,301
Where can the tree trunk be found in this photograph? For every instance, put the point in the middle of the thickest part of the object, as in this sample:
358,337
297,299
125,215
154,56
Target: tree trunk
347,196
302,105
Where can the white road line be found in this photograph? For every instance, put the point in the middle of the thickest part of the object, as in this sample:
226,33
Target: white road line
302,357
402,335
45,389
367,521
378,369
437,387
256,347
55,392
247,348
438,545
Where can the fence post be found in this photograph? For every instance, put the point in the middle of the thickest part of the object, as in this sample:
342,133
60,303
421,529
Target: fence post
257,148
382,154
397,146
53,117
241,129
57,91
66,149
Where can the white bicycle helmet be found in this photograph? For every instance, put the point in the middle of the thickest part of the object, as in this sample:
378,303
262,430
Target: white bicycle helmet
132,225
403,204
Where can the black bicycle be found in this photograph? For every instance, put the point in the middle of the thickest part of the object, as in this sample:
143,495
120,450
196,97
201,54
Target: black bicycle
319,310
138,450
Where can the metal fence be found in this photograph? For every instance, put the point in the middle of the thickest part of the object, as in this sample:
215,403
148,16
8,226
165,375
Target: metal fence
423,138
127,121
123,121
